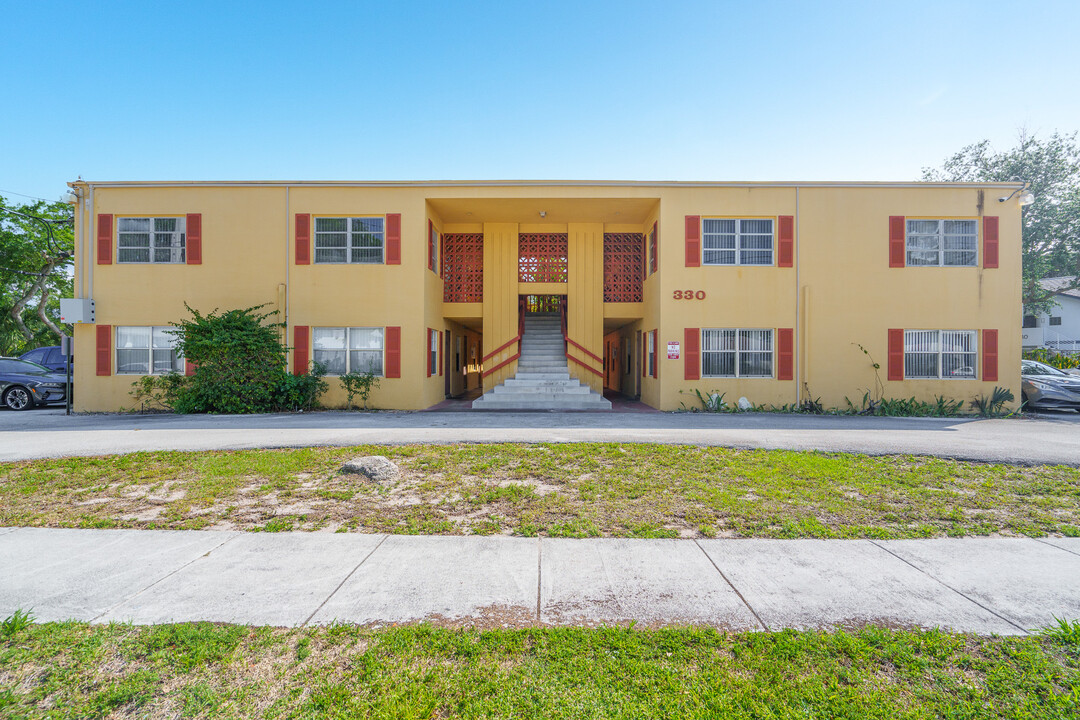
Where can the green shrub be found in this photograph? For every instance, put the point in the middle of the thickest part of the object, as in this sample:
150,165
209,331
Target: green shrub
992,406
240,366
1053,358
361,384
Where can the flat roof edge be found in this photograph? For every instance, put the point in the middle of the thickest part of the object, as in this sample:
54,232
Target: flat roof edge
539,184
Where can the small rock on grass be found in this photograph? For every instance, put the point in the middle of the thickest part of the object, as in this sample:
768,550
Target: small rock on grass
373,467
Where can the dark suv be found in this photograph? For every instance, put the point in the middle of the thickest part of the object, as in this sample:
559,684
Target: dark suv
24,384
50,357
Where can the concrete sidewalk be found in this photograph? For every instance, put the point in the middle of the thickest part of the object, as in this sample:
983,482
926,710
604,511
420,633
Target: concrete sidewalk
1029,440
980,585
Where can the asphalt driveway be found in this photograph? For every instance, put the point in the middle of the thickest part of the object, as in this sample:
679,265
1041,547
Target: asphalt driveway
1048,438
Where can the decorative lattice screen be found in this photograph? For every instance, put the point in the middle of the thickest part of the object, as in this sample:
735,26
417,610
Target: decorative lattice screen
622,267
463,267
542,257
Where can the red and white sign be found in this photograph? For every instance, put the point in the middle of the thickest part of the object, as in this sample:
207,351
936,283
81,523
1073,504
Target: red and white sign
673,350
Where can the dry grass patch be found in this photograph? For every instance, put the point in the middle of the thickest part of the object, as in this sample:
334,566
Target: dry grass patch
565,490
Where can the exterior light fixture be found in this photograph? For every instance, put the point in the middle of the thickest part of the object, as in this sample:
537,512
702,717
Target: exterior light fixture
1026,198
543,213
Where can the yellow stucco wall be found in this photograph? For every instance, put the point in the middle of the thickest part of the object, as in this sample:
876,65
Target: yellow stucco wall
840,294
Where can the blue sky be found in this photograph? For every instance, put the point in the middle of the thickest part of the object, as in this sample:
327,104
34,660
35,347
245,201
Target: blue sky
628,90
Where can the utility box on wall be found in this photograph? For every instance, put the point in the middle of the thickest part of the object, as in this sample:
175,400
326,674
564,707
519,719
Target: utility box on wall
76,310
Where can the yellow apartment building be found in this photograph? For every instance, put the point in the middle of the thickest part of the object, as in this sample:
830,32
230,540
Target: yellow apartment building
546,295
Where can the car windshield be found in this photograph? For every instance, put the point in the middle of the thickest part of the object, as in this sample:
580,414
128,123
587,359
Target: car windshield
1030,367
22,366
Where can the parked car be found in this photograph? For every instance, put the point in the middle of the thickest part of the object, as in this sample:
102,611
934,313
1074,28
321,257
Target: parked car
50,357
1043,386
24,385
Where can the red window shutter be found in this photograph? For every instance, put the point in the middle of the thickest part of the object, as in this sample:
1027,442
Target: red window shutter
104,350
785,255
104,240
393,352
194,238
303,238
990,242
654,249
692,350
897,231
785,350
693,243
990,355
301,349
189,368
393,239
896,354
430,247
656,356
440,360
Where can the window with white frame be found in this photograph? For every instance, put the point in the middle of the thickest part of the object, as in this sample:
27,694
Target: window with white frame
737,353
949,354
433,354
147,351
349,240
150,239
345,350
652,354
949,243
734,241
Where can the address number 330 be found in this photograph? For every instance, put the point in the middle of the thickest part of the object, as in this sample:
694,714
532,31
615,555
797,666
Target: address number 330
689,295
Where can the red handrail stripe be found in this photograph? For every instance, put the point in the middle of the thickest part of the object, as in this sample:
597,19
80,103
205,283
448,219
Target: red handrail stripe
585,365
594,357
505,345
503,364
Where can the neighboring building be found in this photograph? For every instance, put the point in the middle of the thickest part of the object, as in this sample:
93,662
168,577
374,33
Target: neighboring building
1060,328
770,291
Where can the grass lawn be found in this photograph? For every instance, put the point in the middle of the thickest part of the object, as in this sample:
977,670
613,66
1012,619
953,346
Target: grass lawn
76,670
562,490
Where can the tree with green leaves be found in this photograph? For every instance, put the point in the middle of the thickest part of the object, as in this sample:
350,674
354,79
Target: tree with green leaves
1051,225
36,246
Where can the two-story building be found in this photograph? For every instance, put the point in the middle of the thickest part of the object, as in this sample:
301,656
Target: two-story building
546,294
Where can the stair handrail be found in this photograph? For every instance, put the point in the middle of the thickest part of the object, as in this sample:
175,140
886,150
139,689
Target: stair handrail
569,343
508,343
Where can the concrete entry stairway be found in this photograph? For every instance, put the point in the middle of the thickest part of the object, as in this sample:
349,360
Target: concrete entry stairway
542,381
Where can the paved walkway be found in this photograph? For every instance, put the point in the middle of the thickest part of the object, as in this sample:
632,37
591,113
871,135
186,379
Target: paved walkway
980,585
49,433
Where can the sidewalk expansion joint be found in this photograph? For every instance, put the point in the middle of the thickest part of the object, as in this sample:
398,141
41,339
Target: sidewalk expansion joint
1073,552
950,587
732,586
342,583
163,578
539,578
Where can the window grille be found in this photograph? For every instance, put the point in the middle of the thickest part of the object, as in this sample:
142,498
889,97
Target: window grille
733,241
542,257
349,240
151,240
463,267
349,349
950,243
950,354
736,353
622,267
147,351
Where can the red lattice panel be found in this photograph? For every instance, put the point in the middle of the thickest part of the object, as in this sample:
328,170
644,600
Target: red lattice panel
463,267
542,257
622,267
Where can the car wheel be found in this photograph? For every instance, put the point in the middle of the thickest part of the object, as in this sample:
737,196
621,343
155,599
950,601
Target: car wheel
18,398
